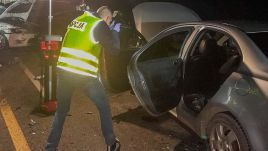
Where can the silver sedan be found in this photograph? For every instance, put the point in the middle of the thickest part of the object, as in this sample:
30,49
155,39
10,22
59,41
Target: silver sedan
213,77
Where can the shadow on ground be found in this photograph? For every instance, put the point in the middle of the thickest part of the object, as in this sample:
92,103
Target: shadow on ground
191,143
141,118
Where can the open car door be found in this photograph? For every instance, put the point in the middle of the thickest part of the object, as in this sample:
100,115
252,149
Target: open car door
155,72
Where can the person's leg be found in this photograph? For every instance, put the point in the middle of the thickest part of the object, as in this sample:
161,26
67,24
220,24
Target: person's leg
65,90
95,91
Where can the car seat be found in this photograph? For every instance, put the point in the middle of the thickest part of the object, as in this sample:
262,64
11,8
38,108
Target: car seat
203,69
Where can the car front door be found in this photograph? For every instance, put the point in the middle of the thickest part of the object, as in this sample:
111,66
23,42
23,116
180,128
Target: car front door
155,72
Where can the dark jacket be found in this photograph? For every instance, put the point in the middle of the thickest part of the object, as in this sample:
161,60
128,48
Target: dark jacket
104,35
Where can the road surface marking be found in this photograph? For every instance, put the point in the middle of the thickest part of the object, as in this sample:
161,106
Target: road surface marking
29,74
13,127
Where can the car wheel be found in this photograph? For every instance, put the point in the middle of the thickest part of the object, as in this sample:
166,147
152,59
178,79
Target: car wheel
3,42
226,134
103,73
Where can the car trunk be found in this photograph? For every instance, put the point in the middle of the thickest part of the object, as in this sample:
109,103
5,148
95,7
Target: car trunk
152,17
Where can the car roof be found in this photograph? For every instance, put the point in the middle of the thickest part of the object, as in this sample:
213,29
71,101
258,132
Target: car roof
247,26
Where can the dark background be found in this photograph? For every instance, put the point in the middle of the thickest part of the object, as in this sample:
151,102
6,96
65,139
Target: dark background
208,9
64,10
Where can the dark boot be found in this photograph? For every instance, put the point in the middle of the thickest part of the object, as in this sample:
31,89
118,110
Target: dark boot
115,147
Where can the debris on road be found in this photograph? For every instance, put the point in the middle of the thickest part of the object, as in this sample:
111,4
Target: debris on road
89,113
69,115
39,77
3,102
17,108
33,127
32,122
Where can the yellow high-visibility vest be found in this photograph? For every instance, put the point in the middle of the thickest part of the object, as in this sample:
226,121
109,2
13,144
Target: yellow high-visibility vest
80,51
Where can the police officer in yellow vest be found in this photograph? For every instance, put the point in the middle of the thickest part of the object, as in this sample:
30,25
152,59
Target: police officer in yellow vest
78,65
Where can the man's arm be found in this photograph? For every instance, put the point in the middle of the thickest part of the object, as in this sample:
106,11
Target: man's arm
103,34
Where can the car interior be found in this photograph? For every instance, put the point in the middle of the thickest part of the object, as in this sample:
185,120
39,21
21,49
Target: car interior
209,63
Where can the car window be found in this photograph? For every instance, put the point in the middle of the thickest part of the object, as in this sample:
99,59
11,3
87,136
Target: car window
215,42
214,56
260,40
169,46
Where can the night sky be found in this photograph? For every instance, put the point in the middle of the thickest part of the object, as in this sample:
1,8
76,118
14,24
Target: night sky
207,9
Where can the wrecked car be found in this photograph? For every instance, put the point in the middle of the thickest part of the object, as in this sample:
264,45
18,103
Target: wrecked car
15,30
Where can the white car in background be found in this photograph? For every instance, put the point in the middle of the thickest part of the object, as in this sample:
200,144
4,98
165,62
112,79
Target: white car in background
15,31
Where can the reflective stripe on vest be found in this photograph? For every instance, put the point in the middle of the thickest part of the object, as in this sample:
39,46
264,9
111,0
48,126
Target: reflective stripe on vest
80,51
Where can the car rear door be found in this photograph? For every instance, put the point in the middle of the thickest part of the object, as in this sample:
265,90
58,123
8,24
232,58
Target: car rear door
155,72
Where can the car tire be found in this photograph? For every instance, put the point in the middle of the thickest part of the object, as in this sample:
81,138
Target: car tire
3,42
103,74
225,133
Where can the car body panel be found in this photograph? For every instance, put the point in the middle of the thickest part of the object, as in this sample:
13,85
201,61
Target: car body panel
151,17
237,97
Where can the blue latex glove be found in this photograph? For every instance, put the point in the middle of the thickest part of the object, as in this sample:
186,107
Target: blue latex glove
115,26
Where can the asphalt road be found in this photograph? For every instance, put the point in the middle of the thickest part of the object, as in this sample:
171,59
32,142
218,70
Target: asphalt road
134,127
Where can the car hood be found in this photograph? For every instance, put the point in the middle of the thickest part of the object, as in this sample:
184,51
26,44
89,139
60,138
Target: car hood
152,17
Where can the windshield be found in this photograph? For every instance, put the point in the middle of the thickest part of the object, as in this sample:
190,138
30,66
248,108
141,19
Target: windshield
261,40
2,9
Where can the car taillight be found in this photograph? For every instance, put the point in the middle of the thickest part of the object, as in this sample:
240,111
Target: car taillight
50,49
49,45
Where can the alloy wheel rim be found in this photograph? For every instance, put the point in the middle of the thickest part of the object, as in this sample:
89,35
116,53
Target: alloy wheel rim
223,138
